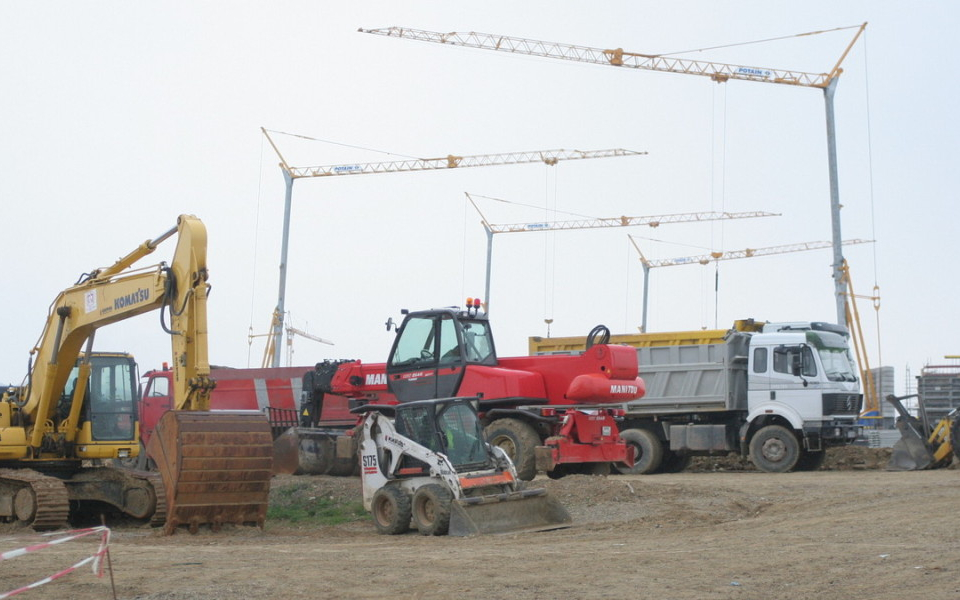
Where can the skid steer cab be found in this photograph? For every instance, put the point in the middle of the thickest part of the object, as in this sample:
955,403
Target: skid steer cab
428,462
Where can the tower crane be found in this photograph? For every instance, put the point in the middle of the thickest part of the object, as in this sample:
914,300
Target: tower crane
595,223
705,259
292,173
293,331
719,72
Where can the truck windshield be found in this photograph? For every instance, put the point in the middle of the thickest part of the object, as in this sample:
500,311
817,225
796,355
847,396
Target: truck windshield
837,364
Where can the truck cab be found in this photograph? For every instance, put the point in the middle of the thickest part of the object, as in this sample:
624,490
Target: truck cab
804,373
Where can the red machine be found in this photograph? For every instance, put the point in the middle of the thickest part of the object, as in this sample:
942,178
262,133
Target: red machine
276,392
557,414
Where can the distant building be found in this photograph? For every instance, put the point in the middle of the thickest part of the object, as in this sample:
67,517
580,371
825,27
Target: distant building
939,388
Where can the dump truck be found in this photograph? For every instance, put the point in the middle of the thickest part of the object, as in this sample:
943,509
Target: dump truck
426,462
556,414
778,393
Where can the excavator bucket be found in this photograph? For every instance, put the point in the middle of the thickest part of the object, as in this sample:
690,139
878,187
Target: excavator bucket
215,466
527,510
911,452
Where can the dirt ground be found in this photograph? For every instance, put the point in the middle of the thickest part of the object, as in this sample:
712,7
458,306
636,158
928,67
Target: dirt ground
851,530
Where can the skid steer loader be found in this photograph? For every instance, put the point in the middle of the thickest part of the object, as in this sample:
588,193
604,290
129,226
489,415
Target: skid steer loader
922,445
428,461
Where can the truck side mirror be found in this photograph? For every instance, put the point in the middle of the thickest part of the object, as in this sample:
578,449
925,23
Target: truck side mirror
796,364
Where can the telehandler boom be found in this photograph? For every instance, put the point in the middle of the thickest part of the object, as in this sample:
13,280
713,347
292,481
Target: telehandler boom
215,467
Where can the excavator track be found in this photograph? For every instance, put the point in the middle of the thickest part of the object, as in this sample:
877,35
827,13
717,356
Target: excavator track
37,500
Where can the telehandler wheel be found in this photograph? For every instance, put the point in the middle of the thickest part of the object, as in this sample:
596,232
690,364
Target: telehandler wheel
774,449
649,452
674,463
431,509
518,440
810,461
391,510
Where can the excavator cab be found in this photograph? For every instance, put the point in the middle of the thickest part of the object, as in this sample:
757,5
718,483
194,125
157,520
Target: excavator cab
109,409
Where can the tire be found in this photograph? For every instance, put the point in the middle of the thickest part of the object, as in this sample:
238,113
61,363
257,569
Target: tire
649,451
431,509
674,463
518,440
810,461
391,511
774,449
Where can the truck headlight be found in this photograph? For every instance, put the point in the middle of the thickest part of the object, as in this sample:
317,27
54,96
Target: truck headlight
123,453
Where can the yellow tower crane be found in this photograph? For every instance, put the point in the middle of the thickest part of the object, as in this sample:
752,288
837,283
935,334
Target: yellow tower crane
292,173
596,223
719,72
871,396
705,259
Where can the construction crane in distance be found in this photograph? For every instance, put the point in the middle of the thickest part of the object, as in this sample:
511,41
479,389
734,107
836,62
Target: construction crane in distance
719,72
705,259
595,223
292,173
293,331
871,397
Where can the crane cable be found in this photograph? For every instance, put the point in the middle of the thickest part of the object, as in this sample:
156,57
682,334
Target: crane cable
873,217
774,39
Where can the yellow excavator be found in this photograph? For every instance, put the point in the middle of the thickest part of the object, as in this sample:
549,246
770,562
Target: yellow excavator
922,444
76,409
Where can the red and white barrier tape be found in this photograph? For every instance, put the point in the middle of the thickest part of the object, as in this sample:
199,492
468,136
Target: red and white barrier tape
96,558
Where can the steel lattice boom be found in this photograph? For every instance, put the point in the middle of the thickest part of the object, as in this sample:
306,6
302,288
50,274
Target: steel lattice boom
719,72
705,259
549,157
650,221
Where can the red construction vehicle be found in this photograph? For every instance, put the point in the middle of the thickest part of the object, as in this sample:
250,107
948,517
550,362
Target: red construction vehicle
275,391
556,414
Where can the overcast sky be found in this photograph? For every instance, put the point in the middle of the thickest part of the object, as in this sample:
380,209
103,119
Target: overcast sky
119,116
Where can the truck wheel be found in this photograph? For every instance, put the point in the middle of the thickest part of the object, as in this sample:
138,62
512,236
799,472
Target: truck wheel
955,436
673,462
810,461
774,449
649,452
391,510
431,509
518,440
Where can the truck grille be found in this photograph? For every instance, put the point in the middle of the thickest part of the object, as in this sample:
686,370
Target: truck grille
842,404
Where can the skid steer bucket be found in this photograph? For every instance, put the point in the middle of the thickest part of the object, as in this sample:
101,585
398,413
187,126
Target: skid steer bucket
527,510
215,466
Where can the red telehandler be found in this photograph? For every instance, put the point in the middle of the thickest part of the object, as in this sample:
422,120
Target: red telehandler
556,414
